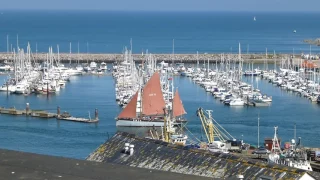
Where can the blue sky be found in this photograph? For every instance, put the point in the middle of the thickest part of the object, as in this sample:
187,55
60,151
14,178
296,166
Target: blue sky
165,5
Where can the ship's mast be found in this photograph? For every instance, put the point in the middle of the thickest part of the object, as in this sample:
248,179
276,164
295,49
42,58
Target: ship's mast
165,128
258,130
7,43
275,141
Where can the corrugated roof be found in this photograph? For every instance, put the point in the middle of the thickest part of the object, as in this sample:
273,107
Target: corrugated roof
158,155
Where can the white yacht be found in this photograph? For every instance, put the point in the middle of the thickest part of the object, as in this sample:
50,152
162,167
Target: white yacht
21,88
103,66
236,102
5,68
93,65
9,88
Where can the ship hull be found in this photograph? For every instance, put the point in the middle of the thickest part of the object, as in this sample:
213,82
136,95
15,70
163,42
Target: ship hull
138,123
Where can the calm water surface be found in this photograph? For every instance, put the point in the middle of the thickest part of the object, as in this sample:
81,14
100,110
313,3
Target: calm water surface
109,32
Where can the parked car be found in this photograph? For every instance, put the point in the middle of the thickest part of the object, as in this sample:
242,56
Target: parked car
261,150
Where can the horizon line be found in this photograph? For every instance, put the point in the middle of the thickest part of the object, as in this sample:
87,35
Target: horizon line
178,11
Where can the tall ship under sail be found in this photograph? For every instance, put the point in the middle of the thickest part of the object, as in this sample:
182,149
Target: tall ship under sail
146,108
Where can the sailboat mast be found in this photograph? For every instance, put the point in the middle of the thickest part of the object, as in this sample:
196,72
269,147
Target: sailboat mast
266,64
7,43
197,60
70,52
274,56
87,53
248,49
258,130
240,60
295,137
36,51
131,45
172,54
173,50
58,54
17,43
78,53
208,68
310,53
252,77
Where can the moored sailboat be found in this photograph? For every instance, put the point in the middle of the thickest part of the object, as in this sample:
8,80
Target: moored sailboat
145,108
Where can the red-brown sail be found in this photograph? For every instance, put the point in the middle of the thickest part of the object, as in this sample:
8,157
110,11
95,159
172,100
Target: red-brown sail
130,110
178,108
152,97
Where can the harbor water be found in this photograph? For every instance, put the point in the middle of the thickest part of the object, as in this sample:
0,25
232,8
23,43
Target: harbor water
87,92
109,32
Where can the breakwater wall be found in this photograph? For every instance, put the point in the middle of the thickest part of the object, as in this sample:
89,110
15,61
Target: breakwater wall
177,58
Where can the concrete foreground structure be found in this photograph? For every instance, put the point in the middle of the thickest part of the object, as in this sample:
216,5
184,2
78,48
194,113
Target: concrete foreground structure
16,165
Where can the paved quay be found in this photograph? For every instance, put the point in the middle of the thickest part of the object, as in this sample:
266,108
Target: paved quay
21,165
183,58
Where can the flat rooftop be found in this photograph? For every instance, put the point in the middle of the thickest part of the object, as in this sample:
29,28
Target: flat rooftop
22,165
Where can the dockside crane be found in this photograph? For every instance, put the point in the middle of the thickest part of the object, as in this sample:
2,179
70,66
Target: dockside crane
207,124
212,128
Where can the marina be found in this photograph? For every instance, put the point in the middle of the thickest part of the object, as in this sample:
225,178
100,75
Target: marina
244,107
148,97
245,117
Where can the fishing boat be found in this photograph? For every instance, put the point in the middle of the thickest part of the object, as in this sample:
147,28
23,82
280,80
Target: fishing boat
145,109
294,156
169,133
219,139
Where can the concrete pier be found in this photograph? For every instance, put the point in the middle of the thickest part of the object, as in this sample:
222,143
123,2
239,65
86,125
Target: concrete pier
177,58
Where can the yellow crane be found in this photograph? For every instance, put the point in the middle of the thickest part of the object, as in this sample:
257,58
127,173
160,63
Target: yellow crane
211,127
207,124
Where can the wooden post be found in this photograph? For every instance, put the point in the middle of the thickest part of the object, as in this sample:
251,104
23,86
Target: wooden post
96,114
27,109
47,89
58,111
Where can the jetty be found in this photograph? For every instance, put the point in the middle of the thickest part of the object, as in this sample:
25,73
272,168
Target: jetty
44,114
67,117
27,112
